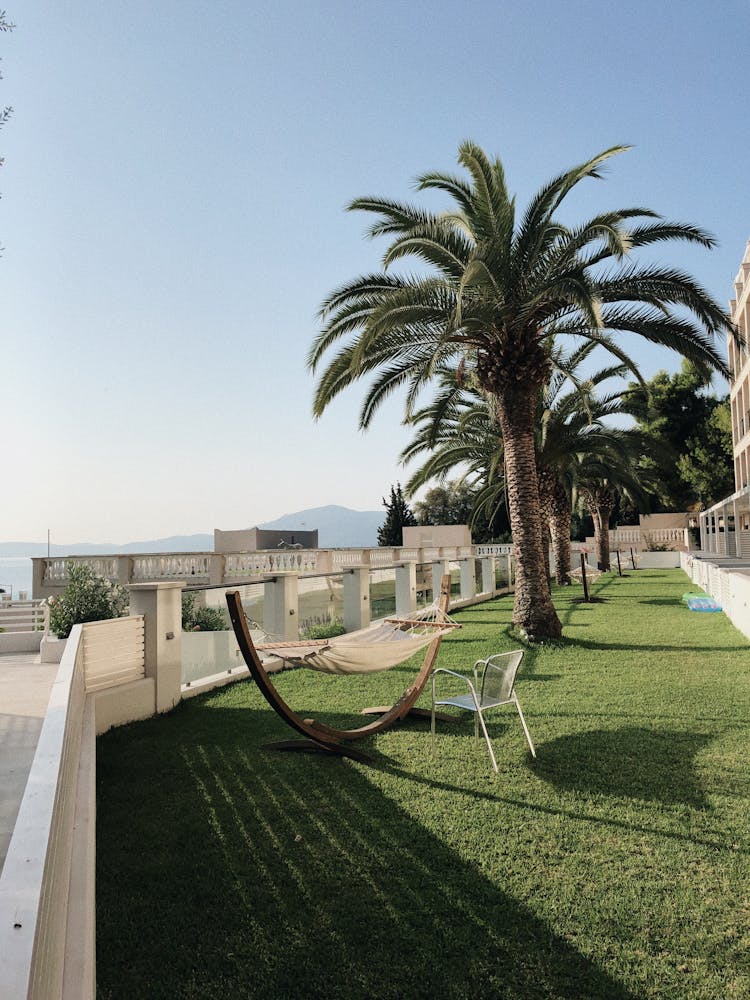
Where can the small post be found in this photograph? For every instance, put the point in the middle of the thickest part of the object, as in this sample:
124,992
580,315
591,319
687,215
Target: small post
619,567
406,589
584,581
356,598
161,607
468,579
280,606
632,557
488,575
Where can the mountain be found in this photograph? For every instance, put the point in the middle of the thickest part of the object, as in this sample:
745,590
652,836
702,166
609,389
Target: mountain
175,543
338,527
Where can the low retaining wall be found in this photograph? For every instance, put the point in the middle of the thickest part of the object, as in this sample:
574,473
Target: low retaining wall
20,642
725,579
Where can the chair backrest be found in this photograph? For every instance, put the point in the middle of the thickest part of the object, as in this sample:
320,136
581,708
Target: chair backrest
499,675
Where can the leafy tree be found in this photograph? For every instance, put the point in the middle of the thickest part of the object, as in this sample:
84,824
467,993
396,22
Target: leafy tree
398,517
706,462
451,503
201,619
87,598
495,288
673,411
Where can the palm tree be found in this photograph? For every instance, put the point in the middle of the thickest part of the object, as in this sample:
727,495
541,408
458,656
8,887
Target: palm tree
601,475
493,288
458,429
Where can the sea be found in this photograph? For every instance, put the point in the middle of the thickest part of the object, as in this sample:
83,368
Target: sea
15,575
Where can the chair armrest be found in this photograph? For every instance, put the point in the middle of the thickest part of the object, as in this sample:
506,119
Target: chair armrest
453,673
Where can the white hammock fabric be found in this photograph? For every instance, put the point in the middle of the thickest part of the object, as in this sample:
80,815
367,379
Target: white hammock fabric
380,646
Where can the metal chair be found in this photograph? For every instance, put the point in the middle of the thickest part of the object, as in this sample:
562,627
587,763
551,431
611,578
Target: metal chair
497,688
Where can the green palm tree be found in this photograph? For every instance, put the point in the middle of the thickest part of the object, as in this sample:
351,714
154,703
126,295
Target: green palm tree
458,429
601,475
490,289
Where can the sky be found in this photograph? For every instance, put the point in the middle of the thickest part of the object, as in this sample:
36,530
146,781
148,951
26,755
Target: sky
173,215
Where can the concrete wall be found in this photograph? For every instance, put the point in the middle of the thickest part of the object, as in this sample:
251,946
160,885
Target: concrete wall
256,539
427,535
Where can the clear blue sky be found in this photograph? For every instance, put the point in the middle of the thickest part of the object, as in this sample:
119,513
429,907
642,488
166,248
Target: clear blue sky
172,217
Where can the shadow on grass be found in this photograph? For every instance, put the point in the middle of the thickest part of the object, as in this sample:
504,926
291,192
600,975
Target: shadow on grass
630,762
226,872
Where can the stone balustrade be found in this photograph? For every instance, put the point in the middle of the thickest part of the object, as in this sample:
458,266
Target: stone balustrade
200,569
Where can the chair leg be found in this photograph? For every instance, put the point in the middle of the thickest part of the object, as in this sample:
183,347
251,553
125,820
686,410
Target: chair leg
525,728
487,739
476,728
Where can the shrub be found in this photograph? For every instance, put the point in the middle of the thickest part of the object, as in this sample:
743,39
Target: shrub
201,619
325,631
87,598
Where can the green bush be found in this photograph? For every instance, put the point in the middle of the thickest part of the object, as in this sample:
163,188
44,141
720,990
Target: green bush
87,598
201,619
326,631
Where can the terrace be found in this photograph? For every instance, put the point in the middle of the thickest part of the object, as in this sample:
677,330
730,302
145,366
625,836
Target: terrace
601,870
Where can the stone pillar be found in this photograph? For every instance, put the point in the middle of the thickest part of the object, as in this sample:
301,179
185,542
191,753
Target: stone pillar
161,607
440,569
281,607
356,598
468,579
124,570
38,589
216,569
406,589
488,575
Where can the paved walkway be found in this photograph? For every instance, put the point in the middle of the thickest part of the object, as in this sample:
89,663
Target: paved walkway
25,686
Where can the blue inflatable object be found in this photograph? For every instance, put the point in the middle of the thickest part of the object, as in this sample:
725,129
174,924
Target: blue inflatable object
703,604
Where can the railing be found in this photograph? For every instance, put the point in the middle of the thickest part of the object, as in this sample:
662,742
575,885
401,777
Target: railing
22,616
199,569
642,538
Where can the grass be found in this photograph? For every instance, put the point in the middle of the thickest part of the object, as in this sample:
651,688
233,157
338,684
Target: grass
616,866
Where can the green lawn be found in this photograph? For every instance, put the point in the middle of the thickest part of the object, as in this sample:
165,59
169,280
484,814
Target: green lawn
615,866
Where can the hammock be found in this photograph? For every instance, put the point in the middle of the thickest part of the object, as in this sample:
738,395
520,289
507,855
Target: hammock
381,646
375,648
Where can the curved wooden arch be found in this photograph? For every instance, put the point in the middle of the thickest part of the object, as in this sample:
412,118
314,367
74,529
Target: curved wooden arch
317,735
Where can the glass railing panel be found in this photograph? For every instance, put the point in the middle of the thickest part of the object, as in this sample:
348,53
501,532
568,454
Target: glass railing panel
424,585
455,572
382,593
320,603
208,643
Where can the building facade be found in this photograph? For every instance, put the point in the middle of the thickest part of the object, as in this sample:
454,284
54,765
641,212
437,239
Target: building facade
725,527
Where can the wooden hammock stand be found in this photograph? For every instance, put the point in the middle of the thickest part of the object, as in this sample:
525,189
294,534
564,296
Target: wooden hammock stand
316,736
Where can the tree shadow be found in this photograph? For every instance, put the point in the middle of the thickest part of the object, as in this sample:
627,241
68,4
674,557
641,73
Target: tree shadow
286,876
630,762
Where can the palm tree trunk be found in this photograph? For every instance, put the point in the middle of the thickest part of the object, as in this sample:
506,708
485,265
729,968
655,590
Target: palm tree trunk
560,519
547,481
533,612
600,504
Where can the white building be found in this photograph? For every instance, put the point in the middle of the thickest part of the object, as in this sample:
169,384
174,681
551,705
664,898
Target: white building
725,527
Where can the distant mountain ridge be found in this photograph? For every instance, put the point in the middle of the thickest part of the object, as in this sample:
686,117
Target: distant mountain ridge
338,528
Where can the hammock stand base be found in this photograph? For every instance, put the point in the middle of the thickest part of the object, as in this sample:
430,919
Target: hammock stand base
318,737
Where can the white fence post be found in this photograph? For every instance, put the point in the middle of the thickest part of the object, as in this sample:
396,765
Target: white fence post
440,569
356,598
468,579
488,574
281,606
406,588
161,607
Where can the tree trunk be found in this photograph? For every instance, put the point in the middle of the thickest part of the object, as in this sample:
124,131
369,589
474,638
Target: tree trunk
600,503
533,612
555,503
